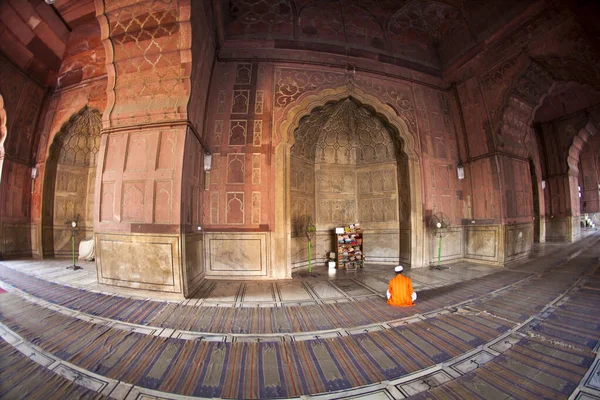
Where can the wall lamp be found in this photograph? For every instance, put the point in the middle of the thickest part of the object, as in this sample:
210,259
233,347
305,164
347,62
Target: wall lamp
460,172
207,162
34,172
543,184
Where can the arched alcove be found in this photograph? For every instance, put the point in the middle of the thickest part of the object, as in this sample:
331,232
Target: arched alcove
69,183
411,246
540,95
2,133
347,167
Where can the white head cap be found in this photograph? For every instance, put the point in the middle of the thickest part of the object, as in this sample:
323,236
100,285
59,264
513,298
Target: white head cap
399,268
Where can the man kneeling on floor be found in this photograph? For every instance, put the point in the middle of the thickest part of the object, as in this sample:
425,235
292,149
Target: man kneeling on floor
400,291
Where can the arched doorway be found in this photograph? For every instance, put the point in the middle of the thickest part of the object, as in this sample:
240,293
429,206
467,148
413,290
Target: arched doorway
407,175
2,189
346,167
2,133
69,183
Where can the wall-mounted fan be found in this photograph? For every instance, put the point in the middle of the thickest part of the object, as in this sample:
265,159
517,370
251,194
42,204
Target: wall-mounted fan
439,225
307,228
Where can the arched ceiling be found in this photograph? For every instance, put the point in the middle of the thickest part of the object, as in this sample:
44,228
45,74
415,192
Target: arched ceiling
567,98
426,32
35,35
344,133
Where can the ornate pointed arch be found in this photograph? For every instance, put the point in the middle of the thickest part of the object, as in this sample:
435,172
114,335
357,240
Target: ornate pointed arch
285,129
3,130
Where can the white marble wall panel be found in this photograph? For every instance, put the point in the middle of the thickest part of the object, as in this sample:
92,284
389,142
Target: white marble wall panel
236,255
519,240
557,229
139,261
381,246
452,245
482,243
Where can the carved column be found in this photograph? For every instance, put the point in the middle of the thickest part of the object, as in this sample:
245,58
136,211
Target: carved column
143,163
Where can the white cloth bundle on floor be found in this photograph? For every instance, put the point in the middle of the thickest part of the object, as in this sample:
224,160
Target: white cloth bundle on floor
87,251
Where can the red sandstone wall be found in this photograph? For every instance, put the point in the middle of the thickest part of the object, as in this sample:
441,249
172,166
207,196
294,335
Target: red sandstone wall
34,37
240,139
81,82
499,92
244,108
22,99
590,176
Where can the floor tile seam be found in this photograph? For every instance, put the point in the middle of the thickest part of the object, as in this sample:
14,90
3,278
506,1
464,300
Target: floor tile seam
512,332
449,362
585,385
55,364
548,306
117,389
43,278
112,384
236,337
200,303
109,387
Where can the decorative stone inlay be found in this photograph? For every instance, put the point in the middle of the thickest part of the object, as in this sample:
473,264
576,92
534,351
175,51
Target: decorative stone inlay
240,102
236,167
221,102
257,133
234,212
238,131
256,208
258,106
243,75
256,170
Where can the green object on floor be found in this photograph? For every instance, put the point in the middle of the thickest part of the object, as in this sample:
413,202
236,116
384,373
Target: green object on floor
309,257
440,251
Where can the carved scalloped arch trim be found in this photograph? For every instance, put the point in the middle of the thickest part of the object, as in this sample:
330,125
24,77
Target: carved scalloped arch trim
304,106
579,141
2,125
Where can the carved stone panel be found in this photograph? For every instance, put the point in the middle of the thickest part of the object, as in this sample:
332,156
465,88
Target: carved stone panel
162,202
214,207
236,167
243,75
166,152
221,102
139,261
336,211
256,163
235,208
107,202
332,181
258,106
133,201
257,133
238,132
256,210
237,255
137,152
240,101
482,243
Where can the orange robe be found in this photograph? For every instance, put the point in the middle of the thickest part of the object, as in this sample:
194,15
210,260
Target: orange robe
401,291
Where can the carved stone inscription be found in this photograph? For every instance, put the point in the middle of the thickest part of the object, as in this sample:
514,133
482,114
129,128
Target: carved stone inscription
337,211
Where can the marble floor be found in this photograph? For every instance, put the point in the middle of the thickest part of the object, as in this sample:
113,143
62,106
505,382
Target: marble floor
319,286
323,310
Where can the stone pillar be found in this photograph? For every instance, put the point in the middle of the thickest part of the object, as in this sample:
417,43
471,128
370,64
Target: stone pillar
139,207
